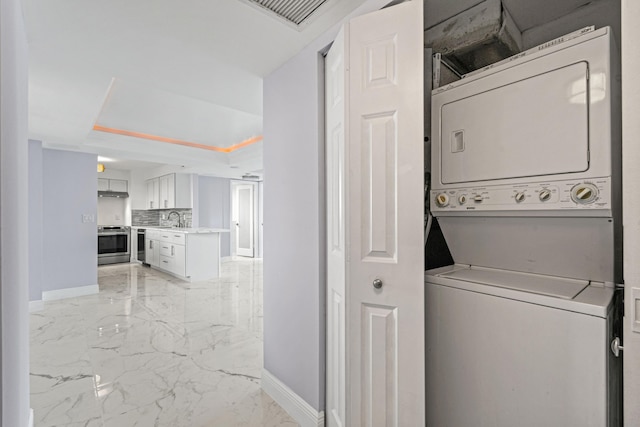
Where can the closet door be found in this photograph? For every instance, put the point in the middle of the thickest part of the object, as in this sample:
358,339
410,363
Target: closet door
335,131
375,190
385,271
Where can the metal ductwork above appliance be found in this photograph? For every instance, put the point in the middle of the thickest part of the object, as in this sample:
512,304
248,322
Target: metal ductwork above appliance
475,38
118,194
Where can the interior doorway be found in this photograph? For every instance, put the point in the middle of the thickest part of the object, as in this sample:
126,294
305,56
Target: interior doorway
243,218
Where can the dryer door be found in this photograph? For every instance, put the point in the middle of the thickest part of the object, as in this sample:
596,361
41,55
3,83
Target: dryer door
531,127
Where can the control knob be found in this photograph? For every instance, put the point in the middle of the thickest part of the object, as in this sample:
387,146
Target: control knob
544,195
477,198
442,200
462,199
584,193
520,197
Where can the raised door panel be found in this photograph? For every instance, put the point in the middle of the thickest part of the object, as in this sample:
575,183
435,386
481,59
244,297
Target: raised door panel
385,218
335,96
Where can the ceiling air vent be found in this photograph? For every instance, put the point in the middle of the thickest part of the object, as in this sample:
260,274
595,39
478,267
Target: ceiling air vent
293,11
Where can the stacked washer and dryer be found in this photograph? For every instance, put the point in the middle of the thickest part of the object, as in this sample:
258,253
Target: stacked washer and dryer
526,173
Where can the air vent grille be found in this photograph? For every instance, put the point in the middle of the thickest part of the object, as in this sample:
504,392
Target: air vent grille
294,11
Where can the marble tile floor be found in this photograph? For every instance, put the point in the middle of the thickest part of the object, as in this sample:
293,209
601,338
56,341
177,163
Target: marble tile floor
152,350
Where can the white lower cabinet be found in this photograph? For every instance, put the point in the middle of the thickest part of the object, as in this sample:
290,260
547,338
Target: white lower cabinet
152,248
172,257
186,254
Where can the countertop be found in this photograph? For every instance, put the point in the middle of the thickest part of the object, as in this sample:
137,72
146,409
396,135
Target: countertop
199,230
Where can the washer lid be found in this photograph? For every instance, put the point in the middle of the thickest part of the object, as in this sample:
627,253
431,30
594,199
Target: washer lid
558,287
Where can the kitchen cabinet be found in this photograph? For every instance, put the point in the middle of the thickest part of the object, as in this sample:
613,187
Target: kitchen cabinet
168,191
106,184
153,195
173,252
152,248
191,254
171,191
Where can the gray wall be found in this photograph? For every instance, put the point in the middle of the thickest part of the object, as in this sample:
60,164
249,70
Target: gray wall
14,212
294,236
214,207
35,220
69,245
601,13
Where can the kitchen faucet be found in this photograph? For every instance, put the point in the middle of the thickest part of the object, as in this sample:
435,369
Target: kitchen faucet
174,212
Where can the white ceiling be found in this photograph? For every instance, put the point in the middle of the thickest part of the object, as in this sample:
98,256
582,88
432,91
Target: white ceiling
190,70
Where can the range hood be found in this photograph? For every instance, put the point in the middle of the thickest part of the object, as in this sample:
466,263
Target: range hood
118,194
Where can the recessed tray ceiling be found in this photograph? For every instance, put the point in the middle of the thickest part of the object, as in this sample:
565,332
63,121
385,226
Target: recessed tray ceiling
145,112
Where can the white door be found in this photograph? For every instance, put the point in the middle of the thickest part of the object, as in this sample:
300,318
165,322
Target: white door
383,217
243,217
335,110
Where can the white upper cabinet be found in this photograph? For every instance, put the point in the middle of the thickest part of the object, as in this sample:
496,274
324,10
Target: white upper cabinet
118,185
106,184
153,195
103,184
171,191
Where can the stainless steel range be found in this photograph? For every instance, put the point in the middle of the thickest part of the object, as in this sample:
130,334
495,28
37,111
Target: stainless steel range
113,244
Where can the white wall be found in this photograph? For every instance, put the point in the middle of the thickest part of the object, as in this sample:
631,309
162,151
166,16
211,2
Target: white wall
214,210
631,208
294,236
70,246
111,208
36,219
14,213
113,211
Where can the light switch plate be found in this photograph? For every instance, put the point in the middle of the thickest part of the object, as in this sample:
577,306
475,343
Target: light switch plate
88,218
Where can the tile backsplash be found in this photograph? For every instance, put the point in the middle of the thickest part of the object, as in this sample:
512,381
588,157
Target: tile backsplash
160,217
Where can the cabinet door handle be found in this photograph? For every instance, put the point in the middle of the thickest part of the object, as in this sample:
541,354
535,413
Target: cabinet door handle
151,205
172,250
150,244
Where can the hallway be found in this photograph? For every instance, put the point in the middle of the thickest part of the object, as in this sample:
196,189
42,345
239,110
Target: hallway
152,350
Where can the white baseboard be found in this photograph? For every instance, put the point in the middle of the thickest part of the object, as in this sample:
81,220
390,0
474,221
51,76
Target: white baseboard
35,306
296,407
30,417
226,259
70,292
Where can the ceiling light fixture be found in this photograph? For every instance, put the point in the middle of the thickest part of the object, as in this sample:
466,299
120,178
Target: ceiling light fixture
142,135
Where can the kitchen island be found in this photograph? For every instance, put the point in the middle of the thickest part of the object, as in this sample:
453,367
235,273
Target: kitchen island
191,254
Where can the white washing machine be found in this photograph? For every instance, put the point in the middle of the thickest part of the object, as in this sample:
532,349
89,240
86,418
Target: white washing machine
517,349
526,189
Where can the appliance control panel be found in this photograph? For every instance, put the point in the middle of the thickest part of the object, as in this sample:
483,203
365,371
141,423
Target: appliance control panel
592,194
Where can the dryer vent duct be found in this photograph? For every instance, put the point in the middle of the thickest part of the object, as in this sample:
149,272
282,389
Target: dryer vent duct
475,38
293,11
